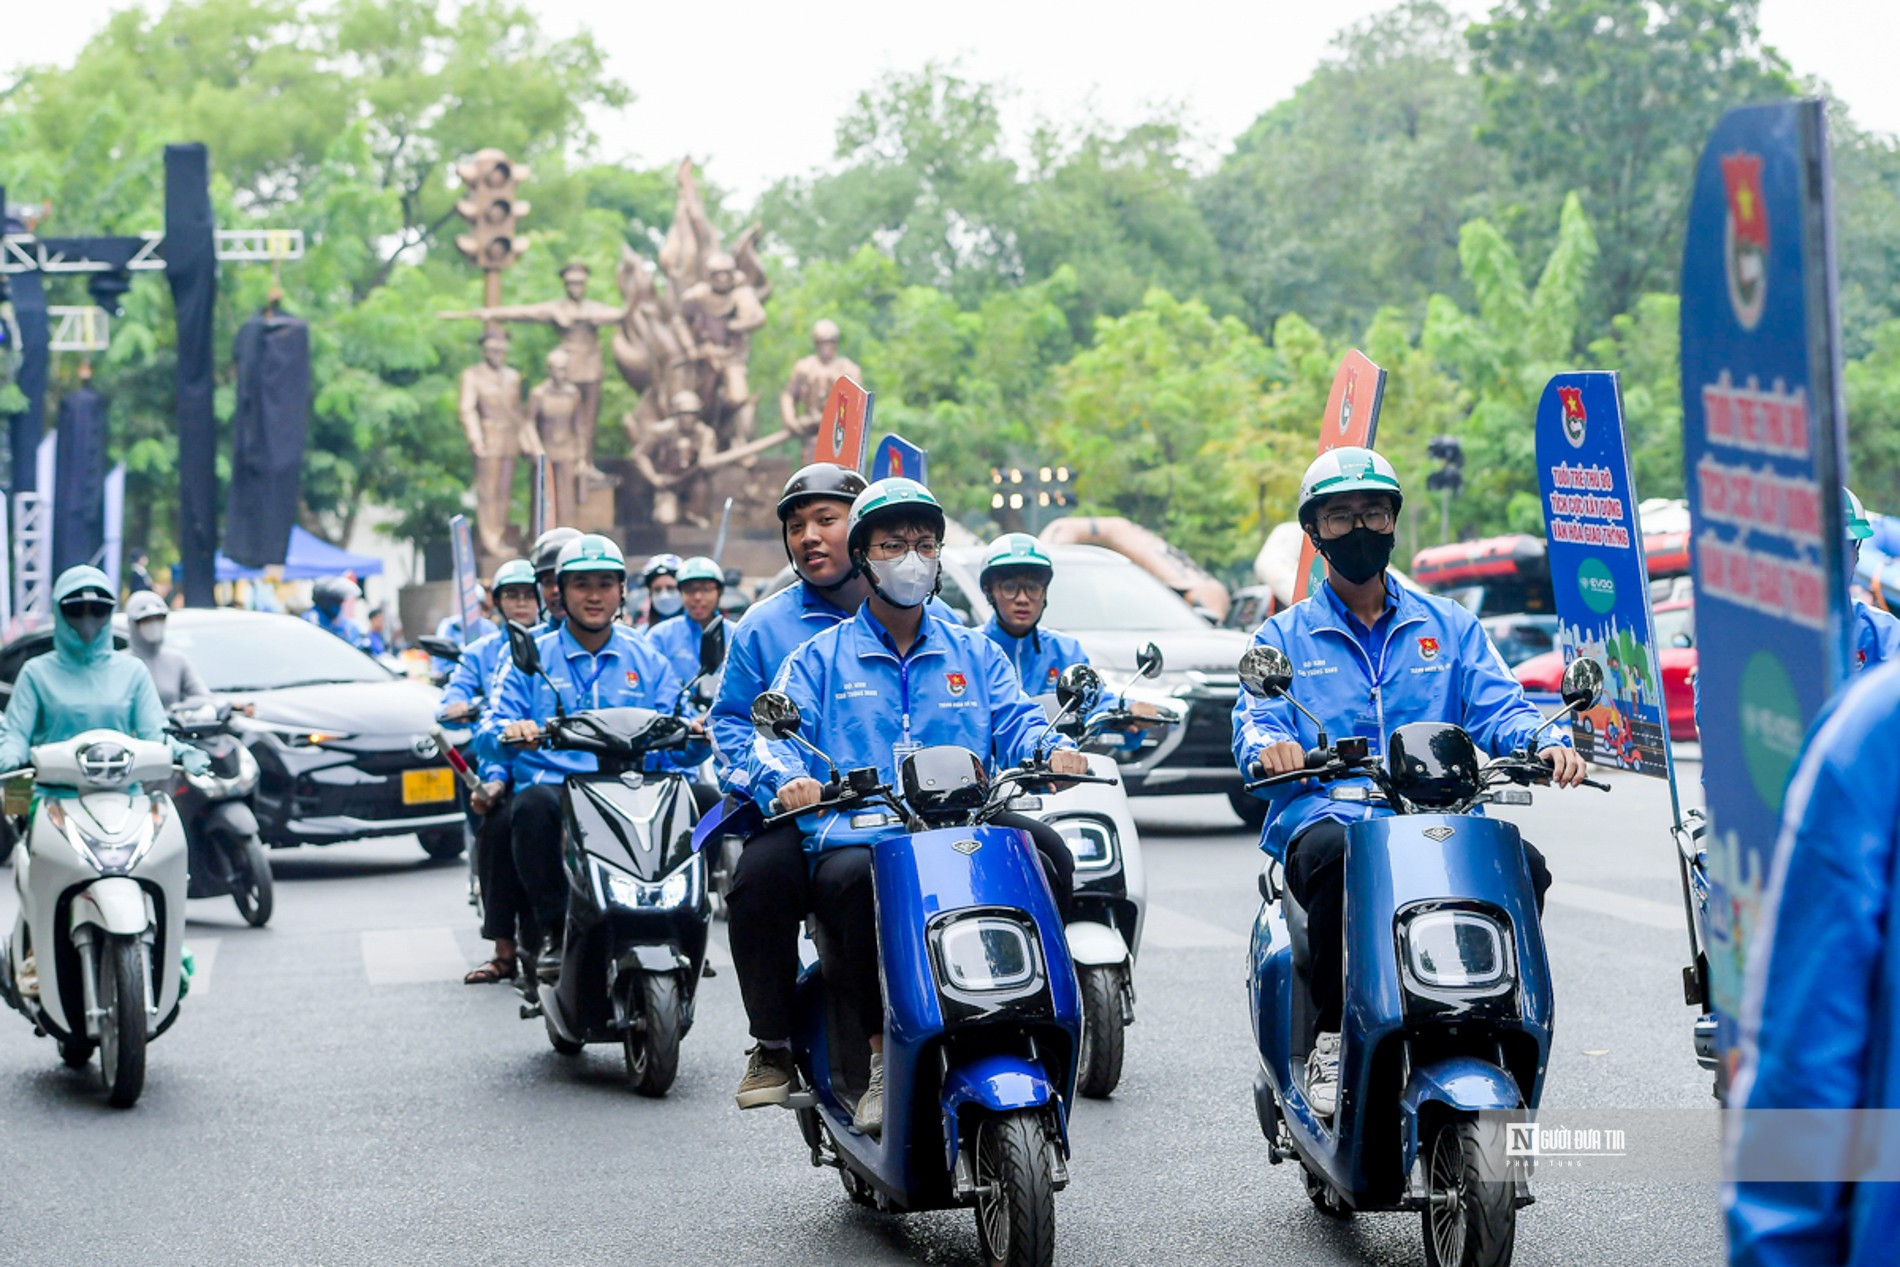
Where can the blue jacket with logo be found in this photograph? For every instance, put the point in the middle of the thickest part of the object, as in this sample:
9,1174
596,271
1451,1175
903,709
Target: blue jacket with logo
340,625
1821,1006
626,673
1038,668
1427,659
863,704
678,641
1876,637
756,648
473,683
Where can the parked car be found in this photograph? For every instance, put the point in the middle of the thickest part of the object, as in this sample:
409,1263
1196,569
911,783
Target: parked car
343,744
1523,635
1251,606
1675,656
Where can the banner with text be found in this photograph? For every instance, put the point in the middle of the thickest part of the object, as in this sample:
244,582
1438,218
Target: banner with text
1351,420
1763,435
468,582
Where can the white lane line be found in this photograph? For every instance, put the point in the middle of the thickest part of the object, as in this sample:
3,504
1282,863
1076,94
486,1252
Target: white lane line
1636,910
204,956
400,956
1171,930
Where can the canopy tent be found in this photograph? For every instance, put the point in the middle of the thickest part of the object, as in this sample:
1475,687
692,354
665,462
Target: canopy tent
309,557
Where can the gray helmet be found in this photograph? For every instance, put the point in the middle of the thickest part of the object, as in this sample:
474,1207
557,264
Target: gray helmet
144,605
334,591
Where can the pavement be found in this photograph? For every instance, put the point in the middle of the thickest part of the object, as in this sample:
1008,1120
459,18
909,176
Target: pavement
334,1095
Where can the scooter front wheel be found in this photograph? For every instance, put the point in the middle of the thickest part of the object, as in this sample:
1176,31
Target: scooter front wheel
1470,1218
651,1044
1099,1071
121,997
251,886
1016,1195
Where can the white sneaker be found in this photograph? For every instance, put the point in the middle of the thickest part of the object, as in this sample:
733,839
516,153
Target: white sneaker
1322,1075
29,981
868,1119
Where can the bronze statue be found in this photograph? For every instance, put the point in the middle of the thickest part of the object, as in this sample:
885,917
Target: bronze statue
579,320
498,433
803,401
674,456
554,407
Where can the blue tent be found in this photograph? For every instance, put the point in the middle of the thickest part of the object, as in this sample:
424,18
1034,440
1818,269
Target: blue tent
308,558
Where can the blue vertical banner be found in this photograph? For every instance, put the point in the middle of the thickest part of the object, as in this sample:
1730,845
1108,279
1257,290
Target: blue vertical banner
1762,444
1598,572
468,582
896,456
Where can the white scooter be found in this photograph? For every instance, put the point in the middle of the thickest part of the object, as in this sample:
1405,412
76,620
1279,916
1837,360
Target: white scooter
1111,888
96,955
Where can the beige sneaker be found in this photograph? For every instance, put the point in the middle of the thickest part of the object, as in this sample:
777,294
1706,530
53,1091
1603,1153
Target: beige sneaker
868,1119
29,980
768,1077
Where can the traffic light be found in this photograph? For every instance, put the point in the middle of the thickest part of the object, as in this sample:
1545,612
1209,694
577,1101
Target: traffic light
1450,477
492,209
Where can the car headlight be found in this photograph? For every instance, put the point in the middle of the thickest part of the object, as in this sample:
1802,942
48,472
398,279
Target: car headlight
678,889
1091,840
297,736
1457,950
985,954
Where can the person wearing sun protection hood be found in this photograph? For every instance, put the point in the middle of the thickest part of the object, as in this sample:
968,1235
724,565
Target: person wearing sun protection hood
82,683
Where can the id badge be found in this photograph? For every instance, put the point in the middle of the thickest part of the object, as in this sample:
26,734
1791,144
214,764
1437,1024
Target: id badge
901,750
1366,726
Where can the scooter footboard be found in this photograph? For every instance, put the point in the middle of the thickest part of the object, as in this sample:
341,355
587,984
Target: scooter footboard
995,1084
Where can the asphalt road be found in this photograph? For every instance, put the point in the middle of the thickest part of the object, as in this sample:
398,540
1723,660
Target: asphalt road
334,1095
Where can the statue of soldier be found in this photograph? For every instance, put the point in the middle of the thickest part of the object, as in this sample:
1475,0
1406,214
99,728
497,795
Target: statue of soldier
803,402
579,320
722,313
671,457
498,433
554,407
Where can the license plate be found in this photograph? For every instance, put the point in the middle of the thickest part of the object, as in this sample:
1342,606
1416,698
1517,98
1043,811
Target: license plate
424,787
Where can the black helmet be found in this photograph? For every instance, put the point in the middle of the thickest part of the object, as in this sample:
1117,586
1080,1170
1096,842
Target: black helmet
334,591
820,479
546,550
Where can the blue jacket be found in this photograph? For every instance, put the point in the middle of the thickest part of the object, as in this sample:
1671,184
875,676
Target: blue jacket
626,673
678,641
865,705
1039,657
756,648
1821,1007
80,686
473,683
1427,659
340,625
1876,637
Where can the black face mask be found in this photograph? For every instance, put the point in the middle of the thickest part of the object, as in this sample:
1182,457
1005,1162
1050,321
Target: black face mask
1358,556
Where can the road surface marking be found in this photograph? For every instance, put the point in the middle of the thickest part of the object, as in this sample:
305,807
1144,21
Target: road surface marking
204,956
1171,930
1637,910
400,956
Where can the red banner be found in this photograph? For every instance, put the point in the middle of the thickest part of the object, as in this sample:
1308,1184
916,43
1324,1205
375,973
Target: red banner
844,429
1351,421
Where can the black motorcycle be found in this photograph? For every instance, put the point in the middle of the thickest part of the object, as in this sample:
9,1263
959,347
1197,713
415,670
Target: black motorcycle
227,855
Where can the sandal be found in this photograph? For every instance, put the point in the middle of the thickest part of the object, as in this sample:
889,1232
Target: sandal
496,969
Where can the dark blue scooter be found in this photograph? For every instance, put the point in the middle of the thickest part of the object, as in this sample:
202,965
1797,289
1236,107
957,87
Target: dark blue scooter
982,1016
1447,1019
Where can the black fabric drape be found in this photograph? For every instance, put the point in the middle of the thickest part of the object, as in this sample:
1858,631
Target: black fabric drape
191,267
79,480
24,430
273,410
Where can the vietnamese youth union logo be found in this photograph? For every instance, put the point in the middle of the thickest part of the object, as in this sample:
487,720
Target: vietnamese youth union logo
1574,417
1745,238
1428,647
1345,406
957,682
633,678
1049,679
837,430
897,460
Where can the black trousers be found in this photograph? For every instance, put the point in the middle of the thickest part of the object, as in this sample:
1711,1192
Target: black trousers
536,838
774,885
1316,877
502,896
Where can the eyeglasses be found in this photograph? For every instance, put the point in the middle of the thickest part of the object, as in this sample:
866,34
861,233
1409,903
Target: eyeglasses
1018,588
98,609
924,547
1337,523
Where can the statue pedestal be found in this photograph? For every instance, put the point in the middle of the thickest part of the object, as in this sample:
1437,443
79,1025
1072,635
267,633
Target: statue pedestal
596,511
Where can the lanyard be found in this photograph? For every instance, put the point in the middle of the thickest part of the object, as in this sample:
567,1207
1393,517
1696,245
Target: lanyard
590,687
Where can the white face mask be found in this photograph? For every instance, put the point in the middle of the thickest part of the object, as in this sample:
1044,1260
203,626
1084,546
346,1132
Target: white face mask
907,582
665,602
152,631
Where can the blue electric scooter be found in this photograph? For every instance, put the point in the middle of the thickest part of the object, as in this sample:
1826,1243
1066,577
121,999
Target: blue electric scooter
1447,1016
982,1015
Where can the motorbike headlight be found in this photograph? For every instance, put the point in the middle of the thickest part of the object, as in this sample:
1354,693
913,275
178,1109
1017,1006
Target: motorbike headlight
1091,840
677,889
979,955
111,855
1457,950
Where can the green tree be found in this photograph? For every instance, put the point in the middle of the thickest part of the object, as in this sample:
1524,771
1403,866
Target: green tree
1873,420
1644,346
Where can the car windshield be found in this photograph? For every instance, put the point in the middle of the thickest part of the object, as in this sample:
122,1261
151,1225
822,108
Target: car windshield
245,655
1114,596
1676,627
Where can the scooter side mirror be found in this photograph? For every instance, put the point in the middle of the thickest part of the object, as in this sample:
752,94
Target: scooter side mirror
441,648
1148,661
521,649
1078,688
712,649
1265,671
1582,683
775,716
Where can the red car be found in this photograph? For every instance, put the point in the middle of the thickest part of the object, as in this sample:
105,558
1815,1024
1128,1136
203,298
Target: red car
1675,636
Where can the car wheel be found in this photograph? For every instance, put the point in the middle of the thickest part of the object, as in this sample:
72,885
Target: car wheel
443,843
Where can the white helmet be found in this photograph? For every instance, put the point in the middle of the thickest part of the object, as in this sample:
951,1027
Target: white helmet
1347,470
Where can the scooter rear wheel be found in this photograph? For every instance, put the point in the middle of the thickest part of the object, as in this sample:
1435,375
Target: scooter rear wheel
1471,1216
1099,1071
251,886
652,1046
1016,1201
122,1024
